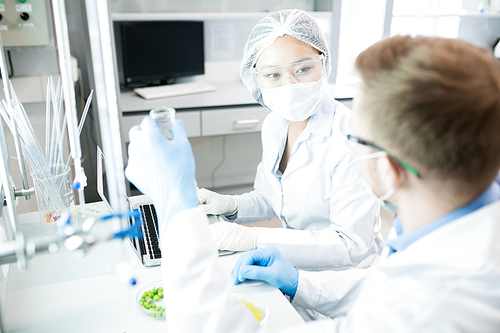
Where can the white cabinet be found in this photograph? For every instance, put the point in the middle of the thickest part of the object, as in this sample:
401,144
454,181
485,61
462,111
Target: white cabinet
215,133
232,120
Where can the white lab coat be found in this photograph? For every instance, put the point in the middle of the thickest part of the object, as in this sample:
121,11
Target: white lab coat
331,221
447,281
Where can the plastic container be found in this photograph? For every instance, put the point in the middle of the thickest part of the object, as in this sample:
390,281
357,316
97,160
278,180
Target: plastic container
53,197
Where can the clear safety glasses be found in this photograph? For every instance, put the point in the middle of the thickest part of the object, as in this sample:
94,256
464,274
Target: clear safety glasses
405,165
304,70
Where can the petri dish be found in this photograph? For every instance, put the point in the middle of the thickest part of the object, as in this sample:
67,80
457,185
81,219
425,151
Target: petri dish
151,313
256,306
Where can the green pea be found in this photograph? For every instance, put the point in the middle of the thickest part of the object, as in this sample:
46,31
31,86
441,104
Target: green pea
156,298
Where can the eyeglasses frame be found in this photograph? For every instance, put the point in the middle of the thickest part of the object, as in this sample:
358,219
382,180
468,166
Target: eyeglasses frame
405,165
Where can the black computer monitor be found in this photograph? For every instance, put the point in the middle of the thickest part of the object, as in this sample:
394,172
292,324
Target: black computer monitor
158,52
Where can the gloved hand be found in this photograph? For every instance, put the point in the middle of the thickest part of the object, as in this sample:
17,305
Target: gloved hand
162,169
233,237
217,204
268,265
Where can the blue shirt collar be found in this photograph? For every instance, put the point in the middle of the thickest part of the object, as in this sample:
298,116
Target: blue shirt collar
403,240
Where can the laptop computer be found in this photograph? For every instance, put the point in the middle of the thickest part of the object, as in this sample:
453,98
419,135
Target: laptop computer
147,246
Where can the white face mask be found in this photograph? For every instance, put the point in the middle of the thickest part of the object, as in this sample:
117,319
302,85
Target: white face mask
381,200
295,102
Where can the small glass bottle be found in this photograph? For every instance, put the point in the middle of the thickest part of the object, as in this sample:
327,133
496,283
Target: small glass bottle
164,116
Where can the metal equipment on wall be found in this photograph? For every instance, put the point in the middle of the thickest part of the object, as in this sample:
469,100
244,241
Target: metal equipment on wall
24,23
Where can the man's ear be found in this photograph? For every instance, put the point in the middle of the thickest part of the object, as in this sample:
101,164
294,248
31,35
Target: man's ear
390,172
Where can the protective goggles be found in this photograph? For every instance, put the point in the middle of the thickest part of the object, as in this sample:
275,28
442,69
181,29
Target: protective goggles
405,165
304,70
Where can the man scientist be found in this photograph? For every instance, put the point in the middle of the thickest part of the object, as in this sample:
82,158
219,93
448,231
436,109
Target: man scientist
425,130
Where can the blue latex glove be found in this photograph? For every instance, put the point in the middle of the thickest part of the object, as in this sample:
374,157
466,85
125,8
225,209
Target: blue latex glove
162,169
268,265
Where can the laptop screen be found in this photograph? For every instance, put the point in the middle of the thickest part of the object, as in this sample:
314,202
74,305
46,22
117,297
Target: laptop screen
102,184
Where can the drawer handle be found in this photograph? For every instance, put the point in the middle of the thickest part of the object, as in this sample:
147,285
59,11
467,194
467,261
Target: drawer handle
248,122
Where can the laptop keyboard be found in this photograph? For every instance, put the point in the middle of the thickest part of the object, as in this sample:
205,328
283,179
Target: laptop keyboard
149,244
149,227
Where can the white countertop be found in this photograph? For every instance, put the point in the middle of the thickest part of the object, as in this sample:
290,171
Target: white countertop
227,94
62,293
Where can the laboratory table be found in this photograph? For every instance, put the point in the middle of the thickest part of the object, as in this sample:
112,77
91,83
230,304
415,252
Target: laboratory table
61,292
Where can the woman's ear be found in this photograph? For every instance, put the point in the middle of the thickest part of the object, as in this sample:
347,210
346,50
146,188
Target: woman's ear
390,173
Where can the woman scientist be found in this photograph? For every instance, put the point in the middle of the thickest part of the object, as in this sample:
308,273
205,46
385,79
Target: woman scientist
307,176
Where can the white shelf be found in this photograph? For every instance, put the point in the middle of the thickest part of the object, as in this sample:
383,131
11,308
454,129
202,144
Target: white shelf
197,16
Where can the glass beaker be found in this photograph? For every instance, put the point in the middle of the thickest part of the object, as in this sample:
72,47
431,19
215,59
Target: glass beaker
53,196
164,116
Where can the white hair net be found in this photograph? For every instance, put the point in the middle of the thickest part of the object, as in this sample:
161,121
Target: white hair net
293,22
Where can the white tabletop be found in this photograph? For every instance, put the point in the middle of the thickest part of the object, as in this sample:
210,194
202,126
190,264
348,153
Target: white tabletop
62,293
227,94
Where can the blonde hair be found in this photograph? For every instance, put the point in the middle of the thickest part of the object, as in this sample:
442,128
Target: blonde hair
434,103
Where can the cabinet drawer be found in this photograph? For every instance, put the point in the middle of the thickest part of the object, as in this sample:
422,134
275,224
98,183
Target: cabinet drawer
191,121
232,121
